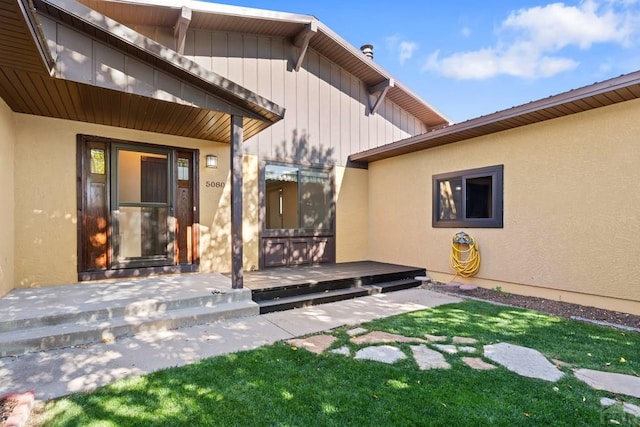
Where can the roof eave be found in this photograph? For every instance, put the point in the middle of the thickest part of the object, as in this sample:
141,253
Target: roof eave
253,104
506,119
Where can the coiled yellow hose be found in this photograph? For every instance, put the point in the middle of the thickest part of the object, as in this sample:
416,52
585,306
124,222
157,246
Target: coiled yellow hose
464,257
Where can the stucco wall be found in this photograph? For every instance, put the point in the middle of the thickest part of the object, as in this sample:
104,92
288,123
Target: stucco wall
45,210
571,208
7,196
352,219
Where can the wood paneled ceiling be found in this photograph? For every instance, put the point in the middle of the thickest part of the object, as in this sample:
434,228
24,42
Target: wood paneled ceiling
27,85
218,17
619,89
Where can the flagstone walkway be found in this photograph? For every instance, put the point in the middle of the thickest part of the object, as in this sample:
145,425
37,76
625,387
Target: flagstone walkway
429,353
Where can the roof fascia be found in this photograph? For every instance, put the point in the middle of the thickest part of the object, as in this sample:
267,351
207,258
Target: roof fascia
36,32
225,9
214,83
514,112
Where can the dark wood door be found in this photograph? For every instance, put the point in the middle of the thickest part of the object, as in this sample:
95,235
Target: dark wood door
93,206
185,229
163,213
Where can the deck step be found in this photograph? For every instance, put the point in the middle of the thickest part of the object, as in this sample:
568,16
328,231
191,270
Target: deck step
306,300
396,285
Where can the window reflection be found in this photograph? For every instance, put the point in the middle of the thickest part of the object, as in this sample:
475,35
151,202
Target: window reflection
297,198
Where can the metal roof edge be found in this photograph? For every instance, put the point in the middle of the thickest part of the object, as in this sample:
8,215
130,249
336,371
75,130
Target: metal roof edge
411,144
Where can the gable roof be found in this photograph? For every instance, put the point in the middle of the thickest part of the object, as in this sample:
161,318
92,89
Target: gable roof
219,17
32,83
608,92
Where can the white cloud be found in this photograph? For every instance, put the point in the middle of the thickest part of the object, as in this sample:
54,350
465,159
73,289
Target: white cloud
530,41
406,51
403,49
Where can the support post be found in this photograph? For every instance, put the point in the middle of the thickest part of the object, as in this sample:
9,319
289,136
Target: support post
236,202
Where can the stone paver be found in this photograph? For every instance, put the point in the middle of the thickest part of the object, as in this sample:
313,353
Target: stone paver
377,337
464,340
427,358
356,331
315,343
467,349
435,338
344,350
381,353
609,381
447,348
477,363
629,408
523,361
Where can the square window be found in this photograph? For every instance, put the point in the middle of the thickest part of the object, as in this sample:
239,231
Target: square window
470,198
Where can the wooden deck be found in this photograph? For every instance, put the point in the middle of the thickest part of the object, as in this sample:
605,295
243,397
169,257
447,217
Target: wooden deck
309,274
280,289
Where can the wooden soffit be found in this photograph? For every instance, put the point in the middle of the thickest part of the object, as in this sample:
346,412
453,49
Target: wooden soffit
132,81
304,31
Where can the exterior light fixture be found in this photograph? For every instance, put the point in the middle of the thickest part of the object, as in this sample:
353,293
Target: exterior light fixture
212,161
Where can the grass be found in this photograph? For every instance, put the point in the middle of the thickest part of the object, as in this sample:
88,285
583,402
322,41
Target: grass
280,385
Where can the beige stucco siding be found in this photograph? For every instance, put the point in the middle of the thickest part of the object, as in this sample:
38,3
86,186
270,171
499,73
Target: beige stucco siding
352,219
571,209
7,197
45,210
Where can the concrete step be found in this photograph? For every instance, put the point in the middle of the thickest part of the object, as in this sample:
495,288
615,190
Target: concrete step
107,310
66,334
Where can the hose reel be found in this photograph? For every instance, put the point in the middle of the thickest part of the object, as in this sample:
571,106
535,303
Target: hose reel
464,257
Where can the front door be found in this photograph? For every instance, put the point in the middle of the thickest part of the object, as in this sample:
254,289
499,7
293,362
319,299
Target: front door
136,205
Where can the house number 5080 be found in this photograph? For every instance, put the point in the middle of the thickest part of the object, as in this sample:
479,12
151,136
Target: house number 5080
214,184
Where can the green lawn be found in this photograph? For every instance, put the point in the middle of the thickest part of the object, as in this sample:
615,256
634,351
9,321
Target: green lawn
280,385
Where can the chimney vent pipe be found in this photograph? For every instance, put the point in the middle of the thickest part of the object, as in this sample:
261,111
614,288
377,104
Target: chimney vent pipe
367,49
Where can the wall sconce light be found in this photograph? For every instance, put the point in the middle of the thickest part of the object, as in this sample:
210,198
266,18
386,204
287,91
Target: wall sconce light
212,161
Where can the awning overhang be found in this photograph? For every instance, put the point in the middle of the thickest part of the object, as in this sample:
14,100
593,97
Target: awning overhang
32,80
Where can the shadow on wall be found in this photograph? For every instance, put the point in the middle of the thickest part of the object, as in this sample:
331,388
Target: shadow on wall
216,240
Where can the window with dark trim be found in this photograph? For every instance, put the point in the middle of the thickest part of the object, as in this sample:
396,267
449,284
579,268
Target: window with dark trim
470,198
298,197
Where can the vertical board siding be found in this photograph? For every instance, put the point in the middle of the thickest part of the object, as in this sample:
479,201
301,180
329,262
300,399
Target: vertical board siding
327,109
219,51
324,104
265,83
278,73
314,112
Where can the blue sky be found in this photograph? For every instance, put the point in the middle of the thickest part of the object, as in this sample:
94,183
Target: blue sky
472,58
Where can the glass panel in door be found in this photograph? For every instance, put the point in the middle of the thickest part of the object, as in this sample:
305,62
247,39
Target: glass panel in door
142,208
